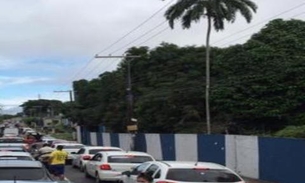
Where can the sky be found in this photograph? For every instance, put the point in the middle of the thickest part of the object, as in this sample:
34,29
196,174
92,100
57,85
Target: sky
45,45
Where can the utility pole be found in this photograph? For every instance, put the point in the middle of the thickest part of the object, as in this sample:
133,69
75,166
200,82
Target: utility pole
130,120
70,93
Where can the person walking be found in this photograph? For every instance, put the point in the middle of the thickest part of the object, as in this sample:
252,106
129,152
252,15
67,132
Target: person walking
57,160
43,154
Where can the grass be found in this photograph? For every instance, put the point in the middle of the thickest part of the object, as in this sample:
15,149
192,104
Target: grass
64,136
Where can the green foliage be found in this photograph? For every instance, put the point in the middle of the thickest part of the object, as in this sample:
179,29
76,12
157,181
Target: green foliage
6,116
42,108
64,136
292,131
258,85
218,11
29,120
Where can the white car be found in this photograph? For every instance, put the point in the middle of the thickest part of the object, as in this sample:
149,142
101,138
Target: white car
108,166
183,172
86,153
69,148
15,156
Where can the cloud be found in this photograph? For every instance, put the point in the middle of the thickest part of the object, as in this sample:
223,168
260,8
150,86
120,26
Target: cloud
5,81
46,45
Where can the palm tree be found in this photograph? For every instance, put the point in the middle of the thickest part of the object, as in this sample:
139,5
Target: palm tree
216,11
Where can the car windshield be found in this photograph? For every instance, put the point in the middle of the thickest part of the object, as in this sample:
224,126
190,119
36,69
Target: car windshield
94,151
73,146
15,158
201,175
128,159
21,173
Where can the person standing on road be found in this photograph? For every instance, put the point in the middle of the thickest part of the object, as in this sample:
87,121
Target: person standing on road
57,162
43,154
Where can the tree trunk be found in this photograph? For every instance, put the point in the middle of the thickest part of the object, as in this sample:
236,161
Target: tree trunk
207,85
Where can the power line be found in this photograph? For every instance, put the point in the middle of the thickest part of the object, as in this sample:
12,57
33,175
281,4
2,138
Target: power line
252,33
286,11
136,28
121,38
267,19
302,4
147,32
151,37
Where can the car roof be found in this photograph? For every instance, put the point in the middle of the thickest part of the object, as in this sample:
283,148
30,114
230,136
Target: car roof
27,181
101,147
5,153
191,164
109,153
20,163
12,144
67,144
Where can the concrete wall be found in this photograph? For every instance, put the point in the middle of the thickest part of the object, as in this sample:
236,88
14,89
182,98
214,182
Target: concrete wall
270,159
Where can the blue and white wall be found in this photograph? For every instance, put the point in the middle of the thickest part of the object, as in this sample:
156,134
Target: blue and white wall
271,159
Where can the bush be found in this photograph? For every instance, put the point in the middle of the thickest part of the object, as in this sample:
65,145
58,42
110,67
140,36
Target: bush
292,131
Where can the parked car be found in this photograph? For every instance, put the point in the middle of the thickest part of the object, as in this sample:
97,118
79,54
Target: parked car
181,172
108,166
48,139
11,140
25,129
23,170
25,147
69,148
86,153
11,149
7,155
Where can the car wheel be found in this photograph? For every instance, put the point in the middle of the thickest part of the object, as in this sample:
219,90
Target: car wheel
97,178
73,165
86,173
81,167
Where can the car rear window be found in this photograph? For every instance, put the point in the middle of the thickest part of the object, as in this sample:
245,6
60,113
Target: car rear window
201,175
11,150
128,159
20,173
73,146
94,151
11,140
15,158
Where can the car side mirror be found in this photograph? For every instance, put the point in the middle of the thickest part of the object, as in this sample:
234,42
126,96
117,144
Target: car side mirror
127,173
73,152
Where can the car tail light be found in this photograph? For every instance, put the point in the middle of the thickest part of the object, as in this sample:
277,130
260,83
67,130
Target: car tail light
163,181
86,157
105,167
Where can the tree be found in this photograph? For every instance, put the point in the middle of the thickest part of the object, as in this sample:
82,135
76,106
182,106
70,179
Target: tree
217,11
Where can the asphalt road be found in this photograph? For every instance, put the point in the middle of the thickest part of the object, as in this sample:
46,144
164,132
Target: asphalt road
76,176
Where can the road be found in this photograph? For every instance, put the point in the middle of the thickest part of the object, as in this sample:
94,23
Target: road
76,176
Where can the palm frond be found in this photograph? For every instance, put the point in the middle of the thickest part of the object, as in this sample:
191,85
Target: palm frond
193,14
177,10
245,10
251,5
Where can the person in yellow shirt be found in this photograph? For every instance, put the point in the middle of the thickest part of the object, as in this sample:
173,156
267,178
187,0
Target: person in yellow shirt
57,162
